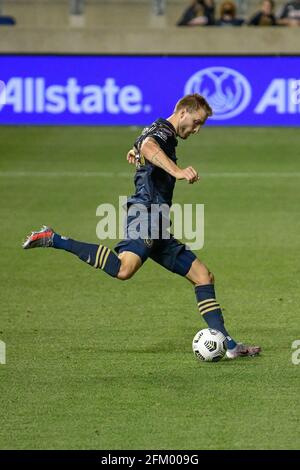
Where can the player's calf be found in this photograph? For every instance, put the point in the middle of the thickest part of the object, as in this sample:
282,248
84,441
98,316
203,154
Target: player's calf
208,306
211,311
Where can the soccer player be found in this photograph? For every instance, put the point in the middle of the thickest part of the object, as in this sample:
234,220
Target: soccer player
156,173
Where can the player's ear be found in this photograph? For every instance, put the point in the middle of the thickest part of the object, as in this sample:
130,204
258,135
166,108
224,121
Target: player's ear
182,113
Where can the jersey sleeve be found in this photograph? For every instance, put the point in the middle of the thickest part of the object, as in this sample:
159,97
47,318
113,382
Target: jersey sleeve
160,135
163,135
158,132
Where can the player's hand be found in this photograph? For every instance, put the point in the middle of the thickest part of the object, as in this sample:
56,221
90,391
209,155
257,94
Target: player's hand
189,174
131,156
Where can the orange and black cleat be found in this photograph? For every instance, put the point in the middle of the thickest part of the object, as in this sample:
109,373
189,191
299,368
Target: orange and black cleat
41,239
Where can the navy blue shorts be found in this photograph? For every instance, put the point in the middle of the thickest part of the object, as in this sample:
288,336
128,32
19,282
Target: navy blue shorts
168,252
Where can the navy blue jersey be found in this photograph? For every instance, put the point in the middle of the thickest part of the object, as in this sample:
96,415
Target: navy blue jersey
153,185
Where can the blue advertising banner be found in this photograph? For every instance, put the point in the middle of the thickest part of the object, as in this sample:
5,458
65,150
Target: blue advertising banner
134,90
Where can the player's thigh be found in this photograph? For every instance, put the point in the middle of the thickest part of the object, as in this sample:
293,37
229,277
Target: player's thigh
174,256
199,274
130,263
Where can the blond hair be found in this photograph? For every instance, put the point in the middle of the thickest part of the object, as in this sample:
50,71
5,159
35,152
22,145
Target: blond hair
192,103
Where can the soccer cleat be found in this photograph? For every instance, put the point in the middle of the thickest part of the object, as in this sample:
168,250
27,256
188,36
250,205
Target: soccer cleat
41,239
242,350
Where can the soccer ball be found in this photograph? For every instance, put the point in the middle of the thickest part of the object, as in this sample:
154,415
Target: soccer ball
209,345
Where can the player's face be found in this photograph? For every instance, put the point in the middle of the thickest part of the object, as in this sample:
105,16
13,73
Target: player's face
190,123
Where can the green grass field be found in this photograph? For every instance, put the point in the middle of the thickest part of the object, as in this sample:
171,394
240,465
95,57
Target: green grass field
96,363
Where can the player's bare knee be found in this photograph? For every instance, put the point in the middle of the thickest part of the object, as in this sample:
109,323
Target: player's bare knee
129,265
203,276
126,270
125,273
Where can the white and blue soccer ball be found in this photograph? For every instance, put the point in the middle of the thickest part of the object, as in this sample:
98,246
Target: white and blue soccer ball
209,345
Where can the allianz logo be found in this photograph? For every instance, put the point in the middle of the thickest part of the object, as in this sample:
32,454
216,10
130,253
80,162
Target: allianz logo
32,95
229,93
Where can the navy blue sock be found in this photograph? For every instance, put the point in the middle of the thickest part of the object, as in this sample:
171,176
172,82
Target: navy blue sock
98,256
211,311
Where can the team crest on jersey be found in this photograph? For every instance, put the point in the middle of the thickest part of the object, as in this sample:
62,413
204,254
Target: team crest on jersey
148,242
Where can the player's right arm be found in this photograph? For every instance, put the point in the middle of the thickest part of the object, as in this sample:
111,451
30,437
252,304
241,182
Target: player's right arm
155,155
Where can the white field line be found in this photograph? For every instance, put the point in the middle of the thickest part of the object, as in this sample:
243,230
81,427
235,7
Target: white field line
108,174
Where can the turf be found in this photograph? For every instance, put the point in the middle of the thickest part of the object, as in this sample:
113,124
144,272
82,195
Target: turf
96,363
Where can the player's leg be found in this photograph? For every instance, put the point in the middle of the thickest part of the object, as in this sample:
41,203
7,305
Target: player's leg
132,251
203,281
130,263
176,257
121,266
